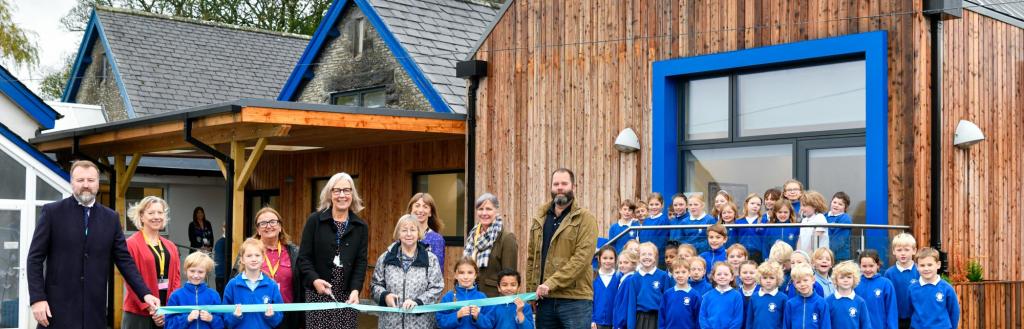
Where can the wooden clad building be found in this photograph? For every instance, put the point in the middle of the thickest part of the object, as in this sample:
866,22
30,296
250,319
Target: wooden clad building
565,77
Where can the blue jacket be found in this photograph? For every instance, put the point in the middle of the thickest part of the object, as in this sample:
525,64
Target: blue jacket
504,317
657,237
880,297
701,286
604,299
714,255
766,310
639,293
806,313
790,288
934,306
901,282
752,237
267,292
617,228
849,313
449,320
697,237
718,309
785,234
676,234
190,294
680,309
839,238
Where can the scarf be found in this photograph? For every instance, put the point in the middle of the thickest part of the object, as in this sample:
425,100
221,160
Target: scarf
478,244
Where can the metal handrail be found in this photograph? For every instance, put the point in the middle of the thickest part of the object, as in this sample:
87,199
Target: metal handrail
705,226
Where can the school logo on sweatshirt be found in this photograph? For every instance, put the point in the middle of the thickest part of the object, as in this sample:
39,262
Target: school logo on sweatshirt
913,281
878,293
686,301
266,299
938,297
790,237
853,312
771,307
814,317
655,284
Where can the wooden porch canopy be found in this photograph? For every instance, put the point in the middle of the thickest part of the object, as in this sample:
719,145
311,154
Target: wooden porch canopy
236,134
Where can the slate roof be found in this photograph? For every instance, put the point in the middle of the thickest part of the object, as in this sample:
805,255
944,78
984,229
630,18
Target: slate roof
437,34
170,63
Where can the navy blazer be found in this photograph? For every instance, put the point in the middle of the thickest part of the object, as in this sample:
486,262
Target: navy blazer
78,266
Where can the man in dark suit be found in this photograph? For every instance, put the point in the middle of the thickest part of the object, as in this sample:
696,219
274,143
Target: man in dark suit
78,239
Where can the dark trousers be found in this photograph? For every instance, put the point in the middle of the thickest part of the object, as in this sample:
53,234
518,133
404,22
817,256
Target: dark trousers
905,323
557,313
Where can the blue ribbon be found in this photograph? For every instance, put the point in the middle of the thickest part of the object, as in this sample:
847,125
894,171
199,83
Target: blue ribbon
296,307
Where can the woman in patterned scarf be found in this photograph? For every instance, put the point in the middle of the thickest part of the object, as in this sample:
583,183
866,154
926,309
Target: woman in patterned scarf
493,249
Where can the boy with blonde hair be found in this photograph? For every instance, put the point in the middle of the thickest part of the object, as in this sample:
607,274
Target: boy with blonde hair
767,305
933,302
194,293
903,274
805,309
848,310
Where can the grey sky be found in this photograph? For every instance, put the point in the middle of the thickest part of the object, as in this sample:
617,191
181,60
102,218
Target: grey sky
42,18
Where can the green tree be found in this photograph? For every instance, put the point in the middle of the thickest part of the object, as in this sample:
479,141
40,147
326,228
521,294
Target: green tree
52,86
14,42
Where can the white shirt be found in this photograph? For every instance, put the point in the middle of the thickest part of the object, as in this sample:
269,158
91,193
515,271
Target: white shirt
923,283
642,273
904,269
606,278
839,295
763,292
687,289
748,293
813,237
727,288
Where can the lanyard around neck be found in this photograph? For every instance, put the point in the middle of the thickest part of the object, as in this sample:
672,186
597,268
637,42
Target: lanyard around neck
270,265
159,251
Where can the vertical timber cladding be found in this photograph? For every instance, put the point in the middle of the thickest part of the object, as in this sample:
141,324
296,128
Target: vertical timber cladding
385,184
567,76
982,187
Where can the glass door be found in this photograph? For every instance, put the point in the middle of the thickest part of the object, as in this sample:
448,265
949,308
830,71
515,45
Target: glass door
12,271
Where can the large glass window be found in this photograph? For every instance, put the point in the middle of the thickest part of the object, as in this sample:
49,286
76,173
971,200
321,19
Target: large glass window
449,192
10,262
830,170
46,192
374,97
707,103
738,170
13,178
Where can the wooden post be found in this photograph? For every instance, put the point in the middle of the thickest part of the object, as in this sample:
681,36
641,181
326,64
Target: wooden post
124,176
244,167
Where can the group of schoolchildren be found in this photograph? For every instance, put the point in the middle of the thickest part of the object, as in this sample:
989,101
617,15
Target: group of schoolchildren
716,280
253,287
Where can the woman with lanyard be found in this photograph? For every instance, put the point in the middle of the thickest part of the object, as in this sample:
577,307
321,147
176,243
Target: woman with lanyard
332,256
156,258
200,232
493,248
279,259
422,206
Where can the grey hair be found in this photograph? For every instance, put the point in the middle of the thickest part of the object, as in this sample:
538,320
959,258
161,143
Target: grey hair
135,211
325,194
485,198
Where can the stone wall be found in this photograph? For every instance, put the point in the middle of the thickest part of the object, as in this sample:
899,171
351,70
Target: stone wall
99,86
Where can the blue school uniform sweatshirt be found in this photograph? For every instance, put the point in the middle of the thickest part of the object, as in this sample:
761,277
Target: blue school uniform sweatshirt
714,255
849,312
504,317
933,305
880,297
765,310
751,238
191,295
680,309
697,237
806,313
657,237
791,289
827,287
839,238
237,291
718,309
677,234
901,282
640,292
604,299
701,286
617,228
788,235
449,320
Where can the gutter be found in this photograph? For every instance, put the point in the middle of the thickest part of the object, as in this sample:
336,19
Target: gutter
473,70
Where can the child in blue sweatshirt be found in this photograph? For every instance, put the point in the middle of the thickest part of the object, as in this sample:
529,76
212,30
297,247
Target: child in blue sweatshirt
903,274
511,316
698,217
720,306
626,208
195,292
717,237
606,283
877,292
839,238
655,216
747,282
252,287
805,310
768,303
698,281
680,306
933,302
801,257
467,317
782,213
848,310
752,238
639,295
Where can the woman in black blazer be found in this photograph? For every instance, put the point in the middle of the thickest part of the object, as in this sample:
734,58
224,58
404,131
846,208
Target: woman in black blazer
332,256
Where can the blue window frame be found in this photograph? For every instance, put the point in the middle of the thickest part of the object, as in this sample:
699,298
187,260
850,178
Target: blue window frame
670,77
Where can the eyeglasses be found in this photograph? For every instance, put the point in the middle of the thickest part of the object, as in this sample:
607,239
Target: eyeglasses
337,191
273,222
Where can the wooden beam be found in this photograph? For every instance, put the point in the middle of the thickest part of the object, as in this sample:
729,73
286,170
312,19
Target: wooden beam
238,197
173,141
352,120
125,179
223,168
131,133
250,165
119,207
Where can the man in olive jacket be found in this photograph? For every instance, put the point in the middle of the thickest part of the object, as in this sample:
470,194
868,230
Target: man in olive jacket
563,238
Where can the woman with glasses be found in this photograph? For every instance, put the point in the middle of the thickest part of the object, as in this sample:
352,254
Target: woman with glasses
280,257
157,260
332,257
